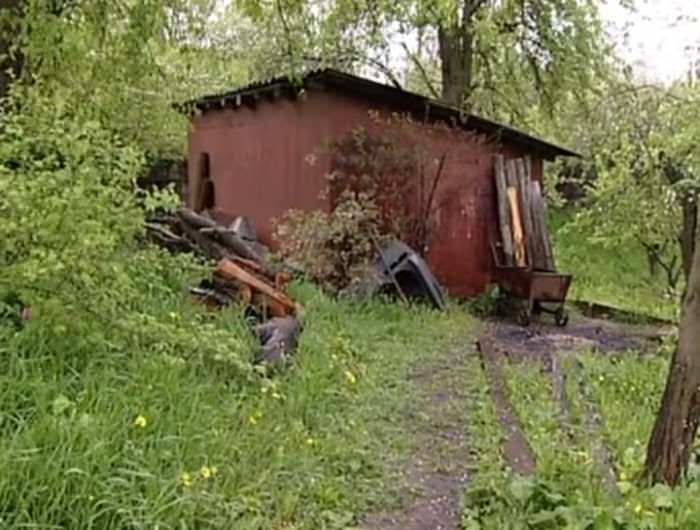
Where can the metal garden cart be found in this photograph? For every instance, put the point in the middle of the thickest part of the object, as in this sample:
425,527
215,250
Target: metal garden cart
539,291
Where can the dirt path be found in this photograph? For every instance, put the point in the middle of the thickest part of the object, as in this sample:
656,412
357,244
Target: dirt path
438,472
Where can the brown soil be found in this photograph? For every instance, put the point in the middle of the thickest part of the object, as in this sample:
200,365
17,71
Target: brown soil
547,344
541,340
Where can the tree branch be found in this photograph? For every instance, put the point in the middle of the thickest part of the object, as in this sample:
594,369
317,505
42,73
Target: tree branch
421,69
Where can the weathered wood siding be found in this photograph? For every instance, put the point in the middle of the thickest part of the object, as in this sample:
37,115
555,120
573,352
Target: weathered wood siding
260,166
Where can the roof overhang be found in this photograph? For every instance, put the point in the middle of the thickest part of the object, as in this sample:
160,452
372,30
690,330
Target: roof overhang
395,97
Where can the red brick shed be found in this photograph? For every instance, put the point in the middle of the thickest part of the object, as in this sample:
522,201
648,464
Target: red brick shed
251,145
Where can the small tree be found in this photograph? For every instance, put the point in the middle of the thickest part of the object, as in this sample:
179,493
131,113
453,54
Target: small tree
396,171
335,247
675,429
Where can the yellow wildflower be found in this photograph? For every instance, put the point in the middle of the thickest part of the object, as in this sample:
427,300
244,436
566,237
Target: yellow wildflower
310,441
214,470
350,377
276,395
140,421
638,508
252,420
186,479
206,472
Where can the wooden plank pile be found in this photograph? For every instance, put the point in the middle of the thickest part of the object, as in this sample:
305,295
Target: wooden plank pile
522,216
242,275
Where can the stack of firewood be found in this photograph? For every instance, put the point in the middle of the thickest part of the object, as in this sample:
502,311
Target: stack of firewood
522,215
242,275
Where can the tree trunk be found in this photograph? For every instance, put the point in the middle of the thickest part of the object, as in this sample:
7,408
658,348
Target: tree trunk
11,61
456,50
687,235
671,442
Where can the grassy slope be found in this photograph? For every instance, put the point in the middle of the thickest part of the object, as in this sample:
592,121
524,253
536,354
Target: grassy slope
617,276
149,439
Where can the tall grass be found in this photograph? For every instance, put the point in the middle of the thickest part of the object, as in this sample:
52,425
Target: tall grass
105,425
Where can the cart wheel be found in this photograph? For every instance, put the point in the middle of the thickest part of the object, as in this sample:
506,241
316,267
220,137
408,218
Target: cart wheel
536,308
561,317
524,317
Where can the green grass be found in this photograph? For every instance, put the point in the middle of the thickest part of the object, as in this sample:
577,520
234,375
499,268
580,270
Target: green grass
614,275
169,427
567,491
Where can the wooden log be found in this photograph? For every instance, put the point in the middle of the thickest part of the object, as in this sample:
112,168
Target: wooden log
504,221
167,239
202,244
223,235
279,338
525,192
540,209
231,271
232,244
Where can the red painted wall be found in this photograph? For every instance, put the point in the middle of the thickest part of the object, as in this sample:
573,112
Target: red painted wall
257,158
258,163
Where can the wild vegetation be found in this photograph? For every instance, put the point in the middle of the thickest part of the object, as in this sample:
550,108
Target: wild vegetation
127,405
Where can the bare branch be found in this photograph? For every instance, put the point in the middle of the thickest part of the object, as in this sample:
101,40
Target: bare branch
421,69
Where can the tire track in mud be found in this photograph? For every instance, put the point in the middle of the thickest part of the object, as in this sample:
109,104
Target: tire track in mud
548,346
516,450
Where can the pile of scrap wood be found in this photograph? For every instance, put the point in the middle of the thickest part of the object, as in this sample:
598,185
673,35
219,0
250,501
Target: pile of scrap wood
242,275
522,215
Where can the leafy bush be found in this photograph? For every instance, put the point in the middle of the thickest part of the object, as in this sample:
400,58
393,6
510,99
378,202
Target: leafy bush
334,248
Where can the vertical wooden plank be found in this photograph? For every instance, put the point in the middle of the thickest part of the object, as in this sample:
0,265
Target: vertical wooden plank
525,193
539,255
541,208
503,210
520,258
519,247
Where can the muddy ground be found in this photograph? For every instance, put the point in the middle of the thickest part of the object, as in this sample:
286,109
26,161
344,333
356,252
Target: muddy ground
542,339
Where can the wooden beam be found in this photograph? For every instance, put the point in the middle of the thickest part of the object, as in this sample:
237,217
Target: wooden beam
513,195
229,270
541,212
504,220
520,258
525,193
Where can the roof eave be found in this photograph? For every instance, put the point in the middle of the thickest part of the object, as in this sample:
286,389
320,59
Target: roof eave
352,84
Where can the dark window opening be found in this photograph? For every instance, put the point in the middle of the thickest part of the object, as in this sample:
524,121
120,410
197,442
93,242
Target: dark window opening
206,196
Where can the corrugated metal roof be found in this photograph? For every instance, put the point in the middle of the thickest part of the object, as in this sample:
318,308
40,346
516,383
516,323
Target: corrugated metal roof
402,99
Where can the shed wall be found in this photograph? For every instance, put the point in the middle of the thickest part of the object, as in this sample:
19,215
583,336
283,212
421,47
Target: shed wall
258,163
258,158
465,214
